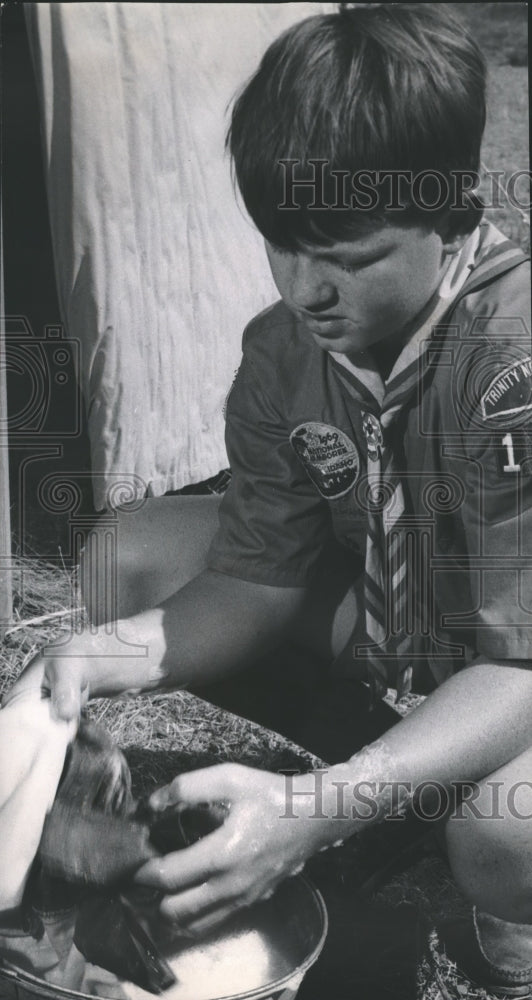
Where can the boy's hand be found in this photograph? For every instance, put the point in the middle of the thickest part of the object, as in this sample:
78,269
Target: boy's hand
98,662
245,858
64,678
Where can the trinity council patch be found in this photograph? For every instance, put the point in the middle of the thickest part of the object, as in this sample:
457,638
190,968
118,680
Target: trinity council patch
329,457
510,392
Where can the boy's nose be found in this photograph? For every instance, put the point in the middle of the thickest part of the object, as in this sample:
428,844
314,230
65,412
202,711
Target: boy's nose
309,288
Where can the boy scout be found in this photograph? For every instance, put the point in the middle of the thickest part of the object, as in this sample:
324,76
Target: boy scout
379,437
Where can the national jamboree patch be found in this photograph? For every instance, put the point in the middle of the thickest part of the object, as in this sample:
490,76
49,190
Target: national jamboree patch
329,456
510,392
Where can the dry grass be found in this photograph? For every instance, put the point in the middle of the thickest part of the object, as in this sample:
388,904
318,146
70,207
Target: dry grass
501,31
45,606
499,28
439,979
505,148
162,734
165,734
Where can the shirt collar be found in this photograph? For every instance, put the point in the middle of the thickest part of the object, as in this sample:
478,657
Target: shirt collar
456,274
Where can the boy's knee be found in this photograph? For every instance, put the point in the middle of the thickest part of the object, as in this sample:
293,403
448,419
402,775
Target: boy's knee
107,560
490,851
116,565
134,559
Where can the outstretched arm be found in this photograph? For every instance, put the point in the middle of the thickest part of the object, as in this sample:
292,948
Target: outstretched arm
473,724
212,626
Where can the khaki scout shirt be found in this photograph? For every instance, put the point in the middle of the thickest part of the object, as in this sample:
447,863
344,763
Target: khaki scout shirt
463,447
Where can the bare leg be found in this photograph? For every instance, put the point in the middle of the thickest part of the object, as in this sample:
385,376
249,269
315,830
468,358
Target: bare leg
489,843
158,549
164,544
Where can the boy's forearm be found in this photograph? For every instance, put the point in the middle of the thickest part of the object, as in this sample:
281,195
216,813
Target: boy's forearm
212,626
472,725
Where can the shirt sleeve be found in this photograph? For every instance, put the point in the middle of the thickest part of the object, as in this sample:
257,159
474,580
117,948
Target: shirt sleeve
273,524
497,508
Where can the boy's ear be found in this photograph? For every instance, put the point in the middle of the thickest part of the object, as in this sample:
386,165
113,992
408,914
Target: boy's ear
452,241
455,243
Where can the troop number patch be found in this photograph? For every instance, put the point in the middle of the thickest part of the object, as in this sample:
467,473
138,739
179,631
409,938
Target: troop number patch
329,456
510,392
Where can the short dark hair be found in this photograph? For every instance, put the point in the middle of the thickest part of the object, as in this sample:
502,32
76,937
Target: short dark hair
374,87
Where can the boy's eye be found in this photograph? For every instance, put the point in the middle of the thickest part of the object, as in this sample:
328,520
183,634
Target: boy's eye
350,266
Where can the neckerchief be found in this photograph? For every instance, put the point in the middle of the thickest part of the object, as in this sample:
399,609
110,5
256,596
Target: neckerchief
395,589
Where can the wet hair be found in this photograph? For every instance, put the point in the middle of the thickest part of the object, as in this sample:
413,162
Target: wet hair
372,88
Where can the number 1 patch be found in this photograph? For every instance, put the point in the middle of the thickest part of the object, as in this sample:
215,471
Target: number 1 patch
514,453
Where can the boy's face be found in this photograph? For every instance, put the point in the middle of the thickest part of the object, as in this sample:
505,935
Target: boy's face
354,294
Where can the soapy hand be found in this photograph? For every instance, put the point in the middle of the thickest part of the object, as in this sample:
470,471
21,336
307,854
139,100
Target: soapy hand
258,845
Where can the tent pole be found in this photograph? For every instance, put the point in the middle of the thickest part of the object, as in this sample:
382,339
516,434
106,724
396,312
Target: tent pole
6,582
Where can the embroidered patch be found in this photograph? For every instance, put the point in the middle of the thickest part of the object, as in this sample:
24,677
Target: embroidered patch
373,434
329,456
514,452
510,392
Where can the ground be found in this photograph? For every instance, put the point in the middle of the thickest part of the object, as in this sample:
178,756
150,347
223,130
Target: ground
384,891
501,31
383,910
